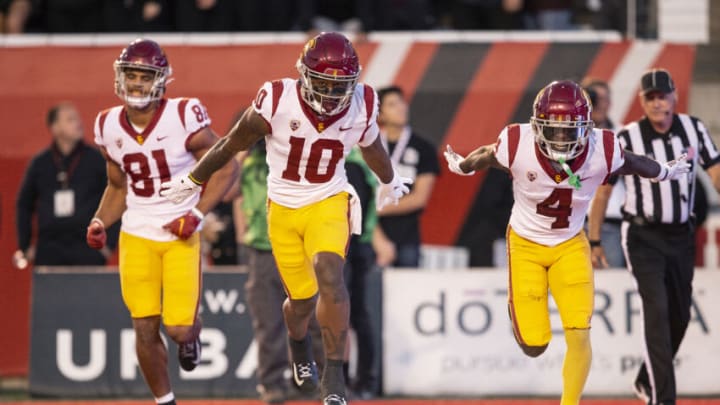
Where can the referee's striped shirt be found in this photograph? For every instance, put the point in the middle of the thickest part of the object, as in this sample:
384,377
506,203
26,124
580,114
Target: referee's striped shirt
666,202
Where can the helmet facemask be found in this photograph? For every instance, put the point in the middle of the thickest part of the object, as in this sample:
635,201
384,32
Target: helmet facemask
156,92
562,120
561,138
327,93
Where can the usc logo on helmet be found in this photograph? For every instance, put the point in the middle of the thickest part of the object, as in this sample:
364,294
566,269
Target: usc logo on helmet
309,45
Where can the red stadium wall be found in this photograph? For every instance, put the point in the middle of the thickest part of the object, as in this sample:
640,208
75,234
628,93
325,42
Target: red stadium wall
499,79
32,79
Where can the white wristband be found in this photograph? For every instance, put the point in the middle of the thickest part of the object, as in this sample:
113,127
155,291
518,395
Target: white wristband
197,213
98,220
663,173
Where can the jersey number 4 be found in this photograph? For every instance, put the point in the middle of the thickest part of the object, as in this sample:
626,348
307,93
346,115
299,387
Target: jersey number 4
312,169
558,206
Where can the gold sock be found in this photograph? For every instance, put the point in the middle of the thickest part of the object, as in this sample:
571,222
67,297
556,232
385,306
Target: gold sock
576,366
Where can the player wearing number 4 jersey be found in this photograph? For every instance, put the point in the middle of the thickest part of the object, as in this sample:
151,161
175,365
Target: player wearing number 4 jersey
557,162
310,125
146,141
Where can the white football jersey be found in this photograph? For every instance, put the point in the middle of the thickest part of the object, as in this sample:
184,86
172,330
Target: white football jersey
306,155
151,157
548,210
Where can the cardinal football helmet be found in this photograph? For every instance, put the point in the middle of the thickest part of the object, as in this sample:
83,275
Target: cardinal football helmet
329,70
561,120
142,54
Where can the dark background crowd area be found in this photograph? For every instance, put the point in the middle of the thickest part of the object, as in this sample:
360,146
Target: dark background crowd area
117,16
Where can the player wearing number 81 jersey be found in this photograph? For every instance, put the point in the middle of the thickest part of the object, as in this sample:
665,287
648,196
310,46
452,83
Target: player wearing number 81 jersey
151,156
146,141
557,162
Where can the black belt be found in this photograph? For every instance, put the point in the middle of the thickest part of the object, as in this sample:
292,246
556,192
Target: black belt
644,222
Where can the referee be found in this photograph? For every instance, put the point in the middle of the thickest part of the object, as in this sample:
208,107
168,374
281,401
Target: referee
658,228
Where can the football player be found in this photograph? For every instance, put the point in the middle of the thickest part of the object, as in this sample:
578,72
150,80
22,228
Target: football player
148,140
310,125
556,161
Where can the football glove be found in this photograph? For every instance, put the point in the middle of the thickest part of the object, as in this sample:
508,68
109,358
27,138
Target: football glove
390,193
674,169
184,226
179,189
454,160
96,236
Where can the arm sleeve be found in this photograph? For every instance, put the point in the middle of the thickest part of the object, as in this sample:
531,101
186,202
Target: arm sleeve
263,103
618,156
196,116
372,130
502,155
622,137
98,130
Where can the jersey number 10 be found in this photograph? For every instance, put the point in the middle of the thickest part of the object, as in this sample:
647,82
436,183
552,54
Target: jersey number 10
312,168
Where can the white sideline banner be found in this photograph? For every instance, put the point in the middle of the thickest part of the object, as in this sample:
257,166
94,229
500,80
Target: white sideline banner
449,334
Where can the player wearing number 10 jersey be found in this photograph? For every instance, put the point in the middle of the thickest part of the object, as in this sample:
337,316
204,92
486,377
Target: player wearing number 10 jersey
146,141
557,162
310,125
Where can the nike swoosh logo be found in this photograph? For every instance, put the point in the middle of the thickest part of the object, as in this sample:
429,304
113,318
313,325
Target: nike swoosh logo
345,129
160,138
298,381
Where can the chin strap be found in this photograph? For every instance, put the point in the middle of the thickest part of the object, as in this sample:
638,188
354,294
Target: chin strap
573,179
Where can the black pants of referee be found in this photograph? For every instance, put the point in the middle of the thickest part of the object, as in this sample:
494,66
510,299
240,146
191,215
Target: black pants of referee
661,258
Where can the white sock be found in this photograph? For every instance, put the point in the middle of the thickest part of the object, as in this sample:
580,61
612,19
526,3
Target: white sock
165,398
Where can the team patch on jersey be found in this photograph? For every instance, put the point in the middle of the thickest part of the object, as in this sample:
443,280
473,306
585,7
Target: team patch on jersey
118,143
531,175
294,124
558,178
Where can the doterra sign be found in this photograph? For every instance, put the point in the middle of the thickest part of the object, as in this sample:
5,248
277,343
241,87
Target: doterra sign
450,334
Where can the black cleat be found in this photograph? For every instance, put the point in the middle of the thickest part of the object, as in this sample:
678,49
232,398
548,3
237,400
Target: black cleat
304,369
189,354
305,375
334,399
